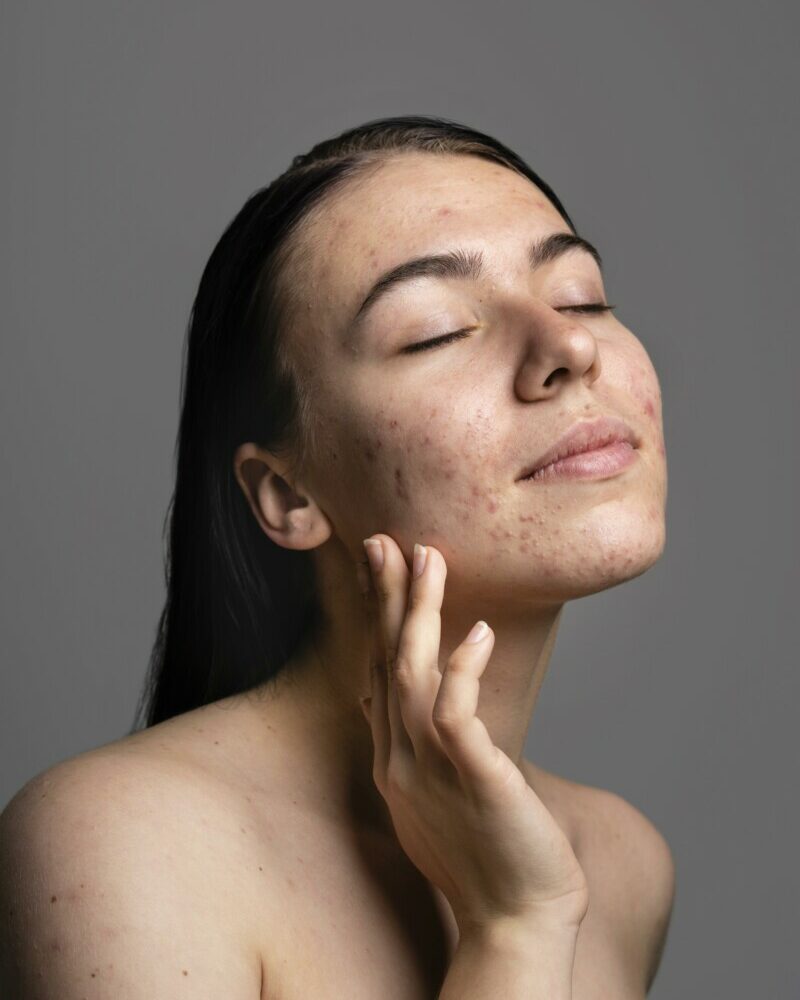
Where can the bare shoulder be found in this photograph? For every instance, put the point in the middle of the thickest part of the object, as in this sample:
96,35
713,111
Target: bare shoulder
628,862
108,868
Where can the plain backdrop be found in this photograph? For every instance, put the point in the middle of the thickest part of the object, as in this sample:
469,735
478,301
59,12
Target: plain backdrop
132,133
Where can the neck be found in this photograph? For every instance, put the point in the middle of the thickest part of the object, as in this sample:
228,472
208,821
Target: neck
322,721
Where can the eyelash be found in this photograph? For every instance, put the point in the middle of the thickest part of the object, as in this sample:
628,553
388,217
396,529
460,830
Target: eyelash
426,345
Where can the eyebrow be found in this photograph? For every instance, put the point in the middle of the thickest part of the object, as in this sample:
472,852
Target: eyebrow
458,263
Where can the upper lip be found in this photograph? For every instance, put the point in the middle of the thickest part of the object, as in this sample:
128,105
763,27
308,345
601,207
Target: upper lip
586,435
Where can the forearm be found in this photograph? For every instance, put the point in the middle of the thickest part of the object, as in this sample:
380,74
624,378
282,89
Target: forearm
512,962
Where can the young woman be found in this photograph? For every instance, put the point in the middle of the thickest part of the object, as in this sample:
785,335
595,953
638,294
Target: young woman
404,339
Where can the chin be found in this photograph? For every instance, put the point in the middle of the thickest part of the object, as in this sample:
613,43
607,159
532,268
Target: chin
620,551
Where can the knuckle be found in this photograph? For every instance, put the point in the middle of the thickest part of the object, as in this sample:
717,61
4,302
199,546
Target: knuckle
403,673
462,664
446,720
416,599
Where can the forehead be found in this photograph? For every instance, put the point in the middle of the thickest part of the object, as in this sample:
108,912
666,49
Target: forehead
413,204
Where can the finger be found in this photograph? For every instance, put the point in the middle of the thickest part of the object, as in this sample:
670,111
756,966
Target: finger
377,711
379,723
417,675
390,578
463,735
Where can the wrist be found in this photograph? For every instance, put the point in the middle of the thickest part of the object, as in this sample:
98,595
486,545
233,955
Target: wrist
522,934
512,958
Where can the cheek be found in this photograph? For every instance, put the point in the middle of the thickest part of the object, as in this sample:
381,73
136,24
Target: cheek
640,380
435,454
642,384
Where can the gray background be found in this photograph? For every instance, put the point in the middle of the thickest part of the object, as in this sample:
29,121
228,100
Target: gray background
132,136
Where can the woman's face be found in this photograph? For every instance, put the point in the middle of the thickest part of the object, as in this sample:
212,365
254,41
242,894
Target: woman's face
428,445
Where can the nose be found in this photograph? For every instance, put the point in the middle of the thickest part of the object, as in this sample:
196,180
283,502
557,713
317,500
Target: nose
559,349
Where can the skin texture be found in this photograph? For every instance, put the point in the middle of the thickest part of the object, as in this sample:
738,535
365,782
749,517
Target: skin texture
427,447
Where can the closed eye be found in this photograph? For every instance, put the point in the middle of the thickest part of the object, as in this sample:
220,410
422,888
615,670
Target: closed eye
426,345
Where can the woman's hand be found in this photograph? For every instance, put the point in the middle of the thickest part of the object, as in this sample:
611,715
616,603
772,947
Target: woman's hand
462,810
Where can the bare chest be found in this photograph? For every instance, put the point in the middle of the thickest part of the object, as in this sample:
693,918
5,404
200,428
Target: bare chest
342,920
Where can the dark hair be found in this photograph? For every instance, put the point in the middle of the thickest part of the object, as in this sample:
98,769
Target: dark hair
238,605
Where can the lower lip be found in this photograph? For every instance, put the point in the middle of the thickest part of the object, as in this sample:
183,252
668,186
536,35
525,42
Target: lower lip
595,464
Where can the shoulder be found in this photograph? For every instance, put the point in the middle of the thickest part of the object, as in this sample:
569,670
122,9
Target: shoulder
629,866
636,871
107,867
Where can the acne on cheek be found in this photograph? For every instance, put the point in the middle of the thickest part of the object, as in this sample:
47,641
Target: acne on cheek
642,388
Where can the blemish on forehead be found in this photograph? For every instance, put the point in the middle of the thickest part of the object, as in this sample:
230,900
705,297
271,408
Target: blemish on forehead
445,211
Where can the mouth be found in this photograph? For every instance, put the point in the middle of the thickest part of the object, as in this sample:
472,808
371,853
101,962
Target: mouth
596,447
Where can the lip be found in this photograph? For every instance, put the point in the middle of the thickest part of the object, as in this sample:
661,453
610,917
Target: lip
585,436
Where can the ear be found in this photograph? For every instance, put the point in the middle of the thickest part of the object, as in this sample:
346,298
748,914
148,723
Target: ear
285,513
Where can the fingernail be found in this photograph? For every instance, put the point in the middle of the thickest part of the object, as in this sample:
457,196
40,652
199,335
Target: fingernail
477,632
420,556
374,550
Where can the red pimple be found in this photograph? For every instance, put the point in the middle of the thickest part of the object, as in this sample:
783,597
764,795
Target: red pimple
399,485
